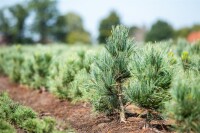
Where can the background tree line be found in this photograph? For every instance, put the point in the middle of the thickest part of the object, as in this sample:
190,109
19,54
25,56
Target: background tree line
41,21
47,23
159,31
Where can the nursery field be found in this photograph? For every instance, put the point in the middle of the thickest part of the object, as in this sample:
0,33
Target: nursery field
119,87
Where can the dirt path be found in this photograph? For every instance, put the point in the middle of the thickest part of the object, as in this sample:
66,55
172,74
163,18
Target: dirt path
79,115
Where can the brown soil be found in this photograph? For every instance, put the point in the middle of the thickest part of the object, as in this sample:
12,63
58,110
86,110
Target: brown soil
78,116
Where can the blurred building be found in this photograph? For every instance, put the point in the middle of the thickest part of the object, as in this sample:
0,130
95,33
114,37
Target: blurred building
138,33
193,36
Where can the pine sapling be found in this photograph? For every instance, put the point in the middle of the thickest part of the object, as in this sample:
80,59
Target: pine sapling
184,106
111,71
186,62
152,76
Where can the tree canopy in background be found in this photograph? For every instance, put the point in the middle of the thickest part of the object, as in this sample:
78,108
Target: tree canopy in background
75,29
5,25
106,25
60,29
45,14
46,22
185,31
69,28
159,31
20,14
12,23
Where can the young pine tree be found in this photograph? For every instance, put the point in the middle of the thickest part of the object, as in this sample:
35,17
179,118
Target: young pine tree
152,73
184,106
16,65
42,62
111,71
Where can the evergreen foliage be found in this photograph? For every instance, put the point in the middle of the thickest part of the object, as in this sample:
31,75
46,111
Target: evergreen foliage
152,77
182,45
27,73
6,127
36,125
195,48
112,76
16,64
67,77
184,106
111,71
190,59
196,63
23,117
186,61
22,114
41,69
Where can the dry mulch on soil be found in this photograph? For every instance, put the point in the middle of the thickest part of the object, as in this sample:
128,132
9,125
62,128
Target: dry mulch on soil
78,116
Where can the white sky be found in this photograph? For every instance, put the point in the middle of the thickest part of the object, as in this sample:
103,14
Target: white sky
179,13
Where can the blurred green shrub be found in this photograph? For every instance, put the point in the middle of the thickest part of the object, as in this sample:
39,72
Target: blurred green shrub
184,106
21,114
41,64
23,117
182,45
36,125
195,48
78,37
16,62
186,61
6,127
27,72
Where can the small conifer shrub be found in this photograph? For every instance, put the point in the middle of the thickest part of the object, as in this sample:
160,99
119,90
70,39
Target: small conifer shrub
6,127
110,72
151,79
41,66
16,65
186,61
184,106
195,48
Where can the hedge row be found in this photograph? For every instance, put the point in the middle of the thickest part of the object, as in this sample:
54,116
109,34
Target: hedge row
60,70
24,118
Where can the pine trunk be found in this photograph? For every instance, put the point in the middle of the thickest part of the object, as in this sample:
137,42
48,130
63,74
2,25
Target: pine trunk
122,111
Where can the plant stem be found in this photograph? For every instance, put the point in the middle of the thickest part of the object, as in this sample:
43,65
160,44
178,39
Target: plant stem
122,112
